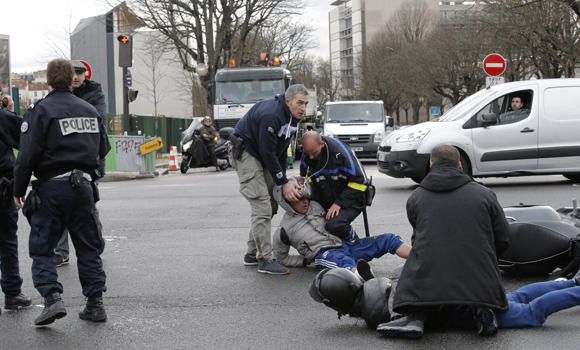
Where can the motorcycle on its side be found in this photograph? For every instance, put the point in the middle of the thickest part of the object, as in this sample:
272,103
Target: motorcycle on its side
194,152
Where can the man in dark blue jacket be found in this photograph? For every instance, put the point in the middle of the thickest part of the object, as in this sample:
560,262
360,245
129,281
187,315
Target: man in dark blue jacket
260,161
91,92
338,181
62,140
11,281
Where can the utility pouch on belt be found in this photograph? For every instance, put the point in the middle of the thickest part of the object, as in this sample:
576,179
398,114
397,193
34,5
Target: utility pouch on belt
76,178
96,195
32,202
370,192
237,146
5,192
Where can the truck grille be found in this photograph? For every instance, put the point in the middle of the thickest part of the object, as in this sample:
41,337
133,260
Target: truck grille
354,139
222,123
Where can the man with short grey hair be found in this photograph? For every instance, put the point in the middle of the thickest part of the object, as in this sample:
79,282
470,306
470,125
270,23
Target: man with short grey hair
261,139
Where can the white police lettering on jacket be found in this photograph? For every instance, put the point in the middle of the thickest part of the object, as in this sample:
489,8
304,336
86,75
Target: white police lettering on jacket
89,125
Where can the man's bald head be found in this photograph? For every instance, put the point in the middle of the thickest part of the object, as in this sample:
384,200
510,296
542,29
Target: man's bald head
312,144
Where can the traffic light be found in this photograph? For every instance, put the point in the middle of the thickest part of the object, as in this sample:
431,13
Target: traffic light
125,50
132,95
276,61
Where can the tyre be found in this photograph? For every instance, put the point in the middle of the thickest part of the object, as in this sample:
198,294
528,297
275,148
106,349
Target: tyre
575,177
417,179
184,167
465,164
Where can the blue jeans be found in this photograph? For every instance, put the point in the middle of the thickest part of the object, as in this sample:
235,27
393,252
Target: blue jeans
531,305
63,206
10,281
366,248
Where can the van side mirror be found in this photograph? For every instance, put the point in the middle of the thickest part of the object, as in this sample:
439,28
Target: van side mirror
390,122
489,119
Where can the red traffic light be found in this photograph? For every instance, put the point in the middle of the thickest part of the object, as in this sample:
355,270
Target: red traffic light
276,61
123,39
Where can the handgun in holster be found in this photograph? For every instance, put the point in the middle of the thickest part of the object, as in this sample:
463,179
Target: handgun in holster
32,202
237,146
96,195
370,192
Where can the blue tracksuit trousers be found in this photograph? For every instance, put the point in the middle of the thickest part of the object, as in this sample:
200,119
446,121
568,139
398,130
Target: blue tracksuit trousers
366,248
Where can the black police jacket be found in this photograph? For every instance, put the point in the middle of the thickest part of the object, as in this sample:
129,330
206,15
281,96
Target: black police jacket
9,139
60,133
336,176
91,92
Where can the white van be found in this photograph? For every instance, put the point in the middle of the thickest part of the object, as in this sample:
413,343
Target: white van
492,139
359,124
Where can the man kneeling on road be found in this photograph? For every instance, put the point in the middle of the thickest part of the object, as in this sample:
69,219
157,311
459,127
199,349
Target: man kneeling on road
302,227
338,181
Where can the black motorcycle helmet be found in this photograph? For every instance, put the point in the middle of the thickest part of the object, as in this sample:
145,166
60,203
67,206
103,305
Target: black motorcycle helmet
337,288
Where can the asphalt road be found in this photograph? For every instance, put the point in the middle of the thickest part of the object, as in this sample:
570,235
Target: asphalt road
173,259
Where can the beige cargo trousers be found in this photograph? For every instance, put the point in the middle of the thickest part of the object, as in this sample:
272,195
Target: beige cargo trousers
256,185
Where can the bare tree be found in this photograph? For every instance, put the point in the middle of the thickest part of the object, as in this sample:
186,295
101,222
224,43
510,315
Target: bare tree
210,31
152,55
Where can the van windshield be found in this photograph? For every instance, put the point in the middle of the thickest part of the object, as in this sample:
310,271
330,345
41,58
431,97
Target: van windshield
459,110
354,113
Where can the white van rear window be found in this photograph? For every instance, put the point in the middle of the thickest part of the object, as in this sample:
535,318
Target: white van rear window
562,103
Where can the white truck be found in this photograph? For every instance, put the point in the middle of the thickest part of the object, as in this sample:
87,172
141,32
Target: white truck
359,124
235,90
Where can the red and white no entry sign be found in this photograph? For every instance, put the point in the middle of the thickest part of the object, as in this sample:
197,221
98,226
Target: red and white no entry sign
494,64
89,72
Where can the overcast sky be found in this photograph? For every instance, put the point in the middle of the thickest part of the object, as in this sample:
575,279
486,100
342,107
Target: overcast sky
38,28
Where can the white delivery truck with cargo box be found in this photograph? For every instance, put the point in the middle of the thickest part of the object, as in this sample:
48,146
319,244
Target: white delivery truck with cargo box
542,137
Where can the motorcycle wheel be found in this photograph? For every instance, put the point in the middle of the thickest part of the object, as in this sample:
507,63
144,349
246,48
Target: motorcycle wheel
184,167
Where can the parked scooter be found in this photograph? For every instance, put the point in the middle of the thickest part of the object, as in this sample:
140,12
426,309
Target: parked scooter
194,151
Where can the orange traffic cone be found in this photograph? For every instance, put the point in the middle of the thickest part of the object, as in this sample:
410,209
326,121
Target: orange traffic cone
172,160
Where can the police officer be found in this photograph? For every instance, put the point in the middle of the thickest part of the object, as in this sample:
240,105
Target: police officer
91,92
62,140
261,140
11,282
338,181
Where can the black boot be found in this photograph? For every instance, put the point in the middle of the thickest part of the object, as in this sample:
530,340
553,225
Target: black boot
15,302
94,310
53,309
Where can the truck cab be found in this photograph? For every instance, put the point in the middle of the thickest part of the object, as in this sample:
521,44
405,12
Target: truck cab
359,124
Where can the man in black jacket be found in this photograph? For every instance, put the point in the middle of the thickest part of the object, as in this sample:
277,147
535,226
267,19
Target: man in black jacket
458,229
338,181
11,282
91,92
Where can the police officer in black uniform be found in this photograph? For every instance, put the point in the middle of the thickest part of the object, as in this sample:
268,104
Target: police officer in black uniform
62,140
338,181
11,282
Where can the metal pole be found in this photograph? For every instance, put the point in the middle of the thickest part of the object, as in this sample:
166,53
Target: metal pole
126,125
366,221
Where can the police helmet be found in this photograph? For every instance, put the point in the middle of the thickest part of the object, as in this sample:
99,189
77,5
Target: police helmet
336,288
372,304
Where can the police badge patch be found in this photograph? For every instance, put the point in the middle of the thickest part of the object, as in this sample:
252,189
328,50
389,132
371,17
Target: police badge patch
24,127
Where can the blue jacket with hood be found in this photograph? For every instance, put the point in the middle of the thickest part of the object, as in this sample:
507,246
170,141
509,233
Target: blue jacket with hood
267,130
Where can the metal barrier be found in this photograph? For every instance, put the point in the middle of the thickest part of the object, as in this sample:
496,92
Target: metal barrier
125,154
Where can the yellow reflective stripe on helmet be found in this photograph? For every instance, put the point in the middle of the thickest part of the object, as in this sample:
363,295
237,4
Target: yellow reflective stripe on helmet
357,186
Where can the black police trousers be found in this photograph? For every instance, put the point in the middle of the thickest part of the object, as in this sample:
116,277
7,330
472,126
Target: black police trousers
340,224
64,206
11,280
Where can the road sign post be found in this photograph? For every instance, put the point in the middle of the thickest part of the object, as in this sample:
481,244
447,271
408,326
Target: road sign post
494,66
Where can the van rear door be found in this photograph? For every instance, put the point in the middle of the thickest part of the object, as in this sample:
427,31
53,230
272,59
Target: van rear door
512,143
559,142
